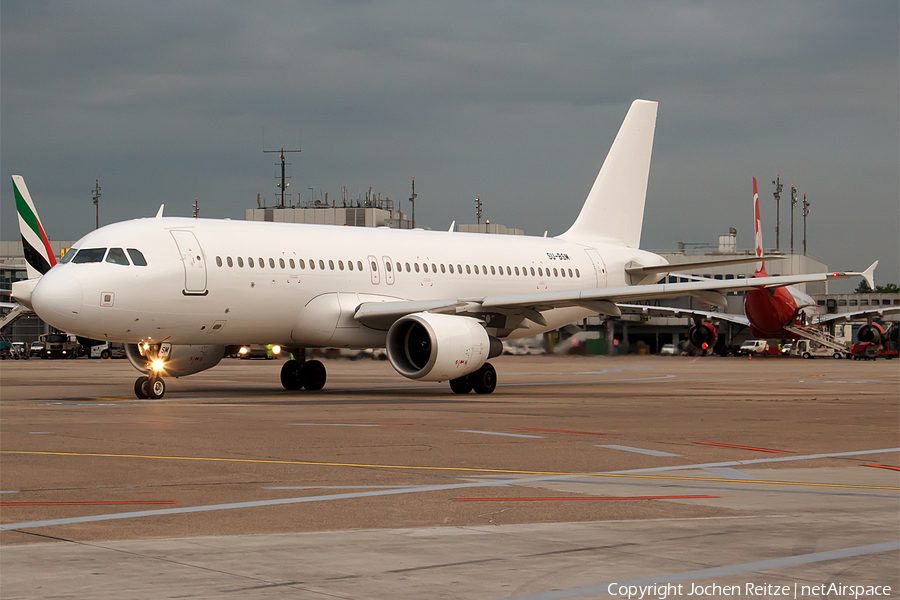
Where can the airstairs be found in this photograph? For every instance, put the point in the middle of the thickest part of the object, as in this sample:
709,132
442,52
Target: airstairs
12,316
817,335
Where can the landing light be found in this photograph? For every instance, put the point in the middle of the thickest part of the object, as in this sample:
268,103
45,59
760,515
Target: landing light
158,365
243,350
276,349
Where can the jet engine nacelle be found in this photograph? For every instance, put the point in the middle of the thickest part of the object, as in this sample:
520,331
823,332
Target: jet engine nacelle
434,347
703,333
873,332
181,361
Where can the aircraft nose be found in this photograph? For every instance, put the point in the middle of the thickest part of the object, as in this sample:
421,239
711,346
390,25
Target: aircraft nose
57,299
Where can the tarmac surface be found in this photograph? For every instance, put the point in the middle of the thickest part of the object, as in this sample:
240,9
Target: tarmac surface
576,478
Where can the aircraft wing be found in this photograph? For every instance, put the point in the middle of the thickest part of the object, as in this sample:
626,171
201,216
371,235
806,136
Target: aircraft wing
857,314
381,315
685,312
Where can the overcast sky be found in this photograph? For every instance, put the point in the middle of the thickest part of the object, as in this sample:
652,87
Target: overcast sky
517,101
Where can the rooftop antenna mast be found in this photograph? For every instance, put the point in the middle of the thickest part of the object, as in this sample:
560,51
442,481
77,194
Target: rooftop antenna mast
196,208
96,197
777,194
412,200
805,214
283,186
793,205
478,208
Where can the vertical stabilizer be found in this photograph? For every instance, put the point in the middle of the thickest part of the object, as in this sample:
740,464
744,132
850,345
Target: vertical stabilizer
757,234
38,255
614,209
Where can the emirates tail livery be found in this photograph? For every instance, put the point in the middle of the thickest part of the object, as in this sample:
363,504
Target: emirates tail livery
180,291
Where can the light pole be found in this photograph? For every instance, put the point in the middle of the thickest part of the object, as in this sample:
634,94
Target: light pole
96,197
793,204
777,194
805,213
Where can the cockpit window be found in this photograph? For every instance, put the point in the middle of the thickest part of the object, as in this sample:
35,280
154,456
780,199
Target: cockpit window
137,258
69,255
89,255
117,256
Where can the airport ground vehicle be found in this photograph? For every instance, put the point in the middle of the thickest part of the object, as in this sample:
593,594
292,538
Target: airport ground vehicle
108,350
266,351
18,350
865,351
810,349
669,350
754,347
37,349
59,345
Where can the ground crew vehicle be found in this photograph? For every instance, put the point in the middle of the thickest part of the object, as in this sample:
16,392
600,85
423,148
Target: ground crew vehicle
754,347
810,349
59,345
108,350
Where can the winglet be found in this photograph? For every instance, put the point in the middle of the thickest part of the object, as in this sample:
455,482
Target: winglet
38,254
452,227
869,275
159,212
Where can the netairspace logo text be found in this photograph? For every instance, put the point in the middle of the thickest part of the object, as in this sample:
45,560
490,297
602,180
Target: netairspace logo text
751,590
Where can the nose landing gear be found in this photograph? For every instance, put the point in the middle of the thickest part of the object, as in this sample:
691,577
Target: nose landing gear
153,387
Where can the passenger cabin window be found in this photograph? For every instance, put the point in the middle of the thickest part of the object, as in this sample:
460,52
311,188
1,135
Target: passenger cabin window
240,262
89,255
117,256
272,263
218,260
230,262
250,262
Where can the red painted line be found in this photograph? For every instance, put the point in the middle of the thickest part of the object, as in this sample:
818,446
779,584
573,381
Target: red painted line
884,467
580,498
560,431
744,447
83,503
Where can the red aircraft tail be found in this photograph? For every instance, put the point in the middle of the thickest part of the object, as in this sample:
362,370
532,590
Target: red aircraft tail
757,234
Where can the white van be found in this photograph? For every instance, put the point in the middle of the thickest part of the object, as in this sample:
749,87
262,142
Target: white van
108,350
754,347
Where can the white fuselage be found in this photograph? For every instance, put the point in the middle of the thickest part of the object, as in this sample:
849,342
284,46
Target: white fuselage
238,282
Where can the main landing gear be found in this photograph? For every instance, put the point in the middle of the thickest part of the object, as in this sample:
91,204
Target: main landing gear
483,381
301,373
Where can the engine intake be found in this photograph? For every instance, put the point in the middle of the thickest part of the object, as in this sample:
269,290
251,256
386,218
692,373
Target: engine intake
434,347
703,333
873,332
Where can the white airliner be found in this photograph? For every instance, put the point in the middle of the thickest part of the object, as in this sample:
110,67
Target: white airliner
180,291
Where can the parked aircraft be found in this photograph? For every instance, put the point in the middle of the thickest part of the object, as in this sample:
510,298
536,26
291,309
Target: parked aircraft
181,291
775,312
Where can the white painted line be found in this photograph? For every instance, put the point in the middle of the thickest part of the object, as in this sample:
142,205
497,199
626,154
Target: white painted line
412,490
518,435
636,450
728,473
